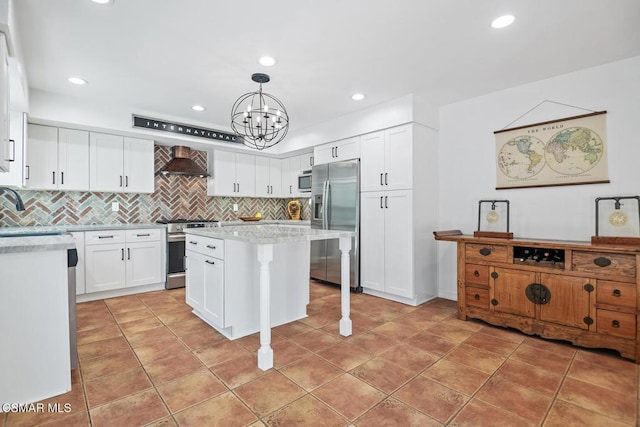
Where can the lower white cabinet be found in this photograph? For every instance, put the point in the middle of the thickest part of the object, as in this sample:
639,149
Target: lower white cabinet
222,283
207,299
386,242
116,259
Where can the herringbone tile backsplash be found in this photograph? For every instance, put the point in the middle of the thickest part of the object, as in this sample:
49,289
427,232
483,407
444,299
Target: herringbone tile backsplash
174,197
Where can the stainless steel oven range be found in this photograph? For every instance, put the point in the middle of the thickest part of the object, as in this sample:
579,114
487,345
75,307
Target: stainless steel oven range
175,248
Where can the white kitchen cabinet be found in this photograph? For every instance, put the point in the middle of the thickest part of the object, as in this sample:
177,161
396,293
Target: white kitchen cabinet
116,259
234,174
386,159
57,159
386,240
5,145
119,164
398,254
205,286
268,177
15,177
345,149
306,161
222,278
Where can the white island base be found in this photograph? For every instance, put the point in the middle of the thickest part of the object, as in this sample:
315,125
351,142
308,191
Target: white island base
228,268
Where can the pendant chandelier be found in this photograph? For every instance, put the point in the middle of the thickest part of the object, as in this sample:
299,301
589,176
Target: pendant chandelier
259,118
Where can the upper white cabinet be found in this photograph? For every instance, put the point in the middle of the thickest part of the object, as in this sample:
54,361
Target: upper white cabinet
57,159
306,161
386,159
345,149
234,174
268,177
120,164
5,149
290,172
15,177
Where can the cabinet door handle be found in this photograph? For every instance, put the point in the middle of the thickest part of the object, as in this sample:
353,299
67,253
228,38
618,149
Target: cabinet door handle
12,156
128,253
615,323
311,161
126,181
234,187
602,262
120,180
106,237
336,151
211,247
381,179
28,172
143,235
485,251
385,178
332,151
386,202
209,262
122,259
62,178
617,293
54,177
191,242
381,207
238,187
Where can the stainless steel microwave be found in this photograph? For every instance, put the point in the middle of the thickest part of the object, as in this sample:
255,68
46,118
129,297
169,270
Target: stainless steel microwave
304,182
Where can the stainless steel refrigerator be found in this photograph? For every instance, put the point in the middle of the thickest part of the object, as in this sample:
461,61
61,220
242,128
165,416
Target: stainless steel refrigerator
335,205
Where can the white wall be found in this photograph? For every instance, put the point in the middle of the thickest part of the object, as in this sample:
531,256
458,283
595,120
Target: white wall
467,157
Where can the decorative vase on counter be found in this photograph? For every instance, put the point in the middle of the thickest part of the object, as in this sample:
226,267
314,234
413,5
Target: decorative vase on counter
293,208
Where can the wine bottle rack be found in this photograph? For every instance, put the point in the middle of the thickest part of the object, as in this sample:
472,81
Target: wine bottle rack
541,257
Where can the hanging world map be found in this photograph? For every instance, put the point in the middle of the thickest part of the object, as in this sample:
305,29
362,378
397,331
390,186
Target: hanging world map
554,153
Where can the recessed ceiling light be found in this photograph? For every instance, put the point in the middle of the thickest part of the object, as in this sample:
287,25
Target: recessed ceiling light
503,21
357,97
77,81
267,61
197,108
102,1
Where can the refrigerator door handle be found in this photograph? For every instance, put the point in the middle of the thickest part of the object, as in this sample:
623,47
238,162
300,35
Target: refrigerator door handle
324,206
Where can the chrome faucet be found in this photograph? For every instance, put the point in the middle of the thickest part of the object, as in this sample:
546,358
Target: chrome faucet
19,204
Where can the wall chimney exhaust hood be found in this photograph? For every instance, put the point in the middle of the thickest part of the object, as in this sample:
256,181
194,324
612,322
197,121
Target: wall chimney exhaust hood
182,164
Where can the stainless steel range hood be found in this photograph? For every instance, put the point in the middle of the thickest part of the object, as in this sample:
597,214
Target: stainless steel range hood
182,164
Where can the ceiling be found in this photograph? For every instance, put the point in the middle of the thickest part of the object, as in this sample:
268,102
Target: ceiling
164,56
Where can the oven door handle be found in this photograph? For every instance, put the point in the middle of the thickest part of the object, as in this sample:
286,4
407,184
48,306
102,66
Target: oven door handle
171,238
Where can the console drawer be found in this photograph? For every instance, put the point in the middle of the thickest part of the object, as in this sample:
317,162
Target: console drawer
476,274
495,253
477,297
618,324
616,293
603,262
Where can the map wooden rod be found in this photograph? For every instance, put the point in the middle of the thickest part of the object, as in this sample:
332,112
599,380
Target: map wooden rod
552,121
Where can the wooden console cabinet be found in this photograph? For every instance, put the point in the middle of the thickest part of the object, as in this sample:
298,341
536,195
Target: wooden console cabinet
579,292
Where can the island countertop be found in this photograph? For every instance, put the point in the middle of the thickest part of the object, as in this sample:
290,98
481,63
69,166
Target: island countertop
36,243
265,234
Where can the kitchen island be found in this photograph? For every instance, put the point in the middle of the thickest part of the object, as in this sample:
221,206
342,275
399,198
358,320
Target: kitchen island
34,318
239,278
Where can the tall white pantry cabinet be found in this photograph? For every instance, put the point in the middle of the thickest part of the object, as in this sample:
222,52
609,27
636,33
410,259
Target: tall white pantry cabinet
398,213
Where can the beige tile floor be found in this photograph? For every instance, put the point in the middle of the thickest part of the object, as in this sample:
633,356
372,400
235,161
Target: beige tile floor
146,360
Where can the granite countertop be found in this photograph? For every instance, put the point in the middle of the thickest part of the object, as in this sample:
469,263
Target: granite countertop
36,243
60,229
268,233
239,222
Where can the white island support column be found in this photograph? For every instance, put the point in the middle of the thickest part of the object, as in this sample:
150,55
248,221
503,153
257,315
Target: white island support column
345,322
265,354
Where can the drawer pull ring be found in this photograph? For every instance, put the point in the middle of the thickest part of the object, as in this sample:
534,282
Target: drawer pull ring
476,297
615,324
617,293
602,262
485,251
476,273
